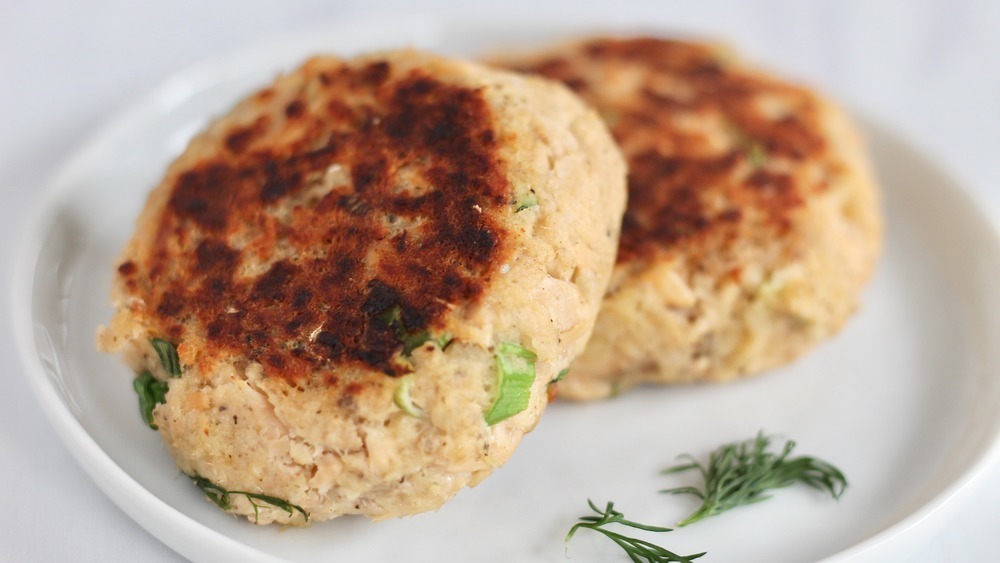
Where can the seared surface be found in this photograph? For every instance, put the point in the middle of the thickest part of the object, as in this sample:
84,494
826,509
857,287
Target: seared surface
272,258
687,184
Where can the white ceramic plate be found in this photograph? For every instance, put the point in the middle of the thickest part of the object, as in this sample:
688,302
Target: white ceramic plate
903,400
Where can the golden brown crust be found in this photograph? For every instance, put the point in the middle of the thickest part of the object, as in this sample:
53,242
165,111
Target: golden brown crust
421,153
685,186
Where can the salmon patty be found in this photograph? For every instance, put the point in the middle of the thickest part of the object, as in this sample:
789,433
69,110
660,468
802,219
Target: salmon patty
752,223
349,295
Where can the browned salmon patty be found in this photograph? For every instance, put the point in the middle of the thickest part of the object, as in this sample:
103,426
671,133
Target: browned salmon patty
752,223
369,270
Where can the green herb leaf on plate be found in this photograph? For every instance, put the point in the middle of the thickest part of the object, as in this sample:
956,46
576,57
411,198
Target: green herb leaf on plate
638,550
745,472
223,498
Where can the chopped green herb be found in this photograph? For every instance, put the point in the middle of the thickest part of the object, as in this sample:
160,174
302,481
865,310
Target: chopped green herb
560,376
515,375
222,498
411,340
392,316
443,340
168,356
402,397
151,392
526,201
742,473
637,549
756,154
755,151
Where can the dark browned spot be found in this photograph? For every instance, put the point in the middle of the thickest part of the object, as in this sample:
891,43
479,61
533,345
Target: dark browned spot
295,109
239,138
355,283
170,305
174,332
353,389
375,73
214,259
195,193
731,215
265,95
127,268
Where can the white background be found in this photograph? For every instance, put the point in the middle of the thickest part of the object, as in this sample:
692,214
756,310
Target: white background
930,69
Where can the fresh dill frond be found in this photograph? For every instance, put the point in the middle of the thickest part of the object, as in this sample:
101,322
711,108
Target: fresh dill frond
638,550
744,472
223,498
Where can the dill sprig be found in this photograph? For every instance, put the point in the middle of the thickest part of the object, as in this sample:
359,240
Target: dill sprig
637,549
222,498
742,473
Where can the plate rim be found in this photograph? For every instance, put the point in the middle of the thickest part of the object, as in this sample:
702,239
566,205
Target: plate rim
951,496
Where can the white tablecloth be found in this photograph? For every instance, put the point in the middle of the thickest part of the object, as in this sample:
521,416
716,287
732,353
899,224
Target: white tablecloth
928,68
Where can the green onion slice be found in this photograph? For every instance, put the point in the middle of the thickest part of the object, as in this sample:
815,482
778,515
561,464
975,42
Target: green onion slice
515,375
411,340
168,356
402,397
756,154
526,201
